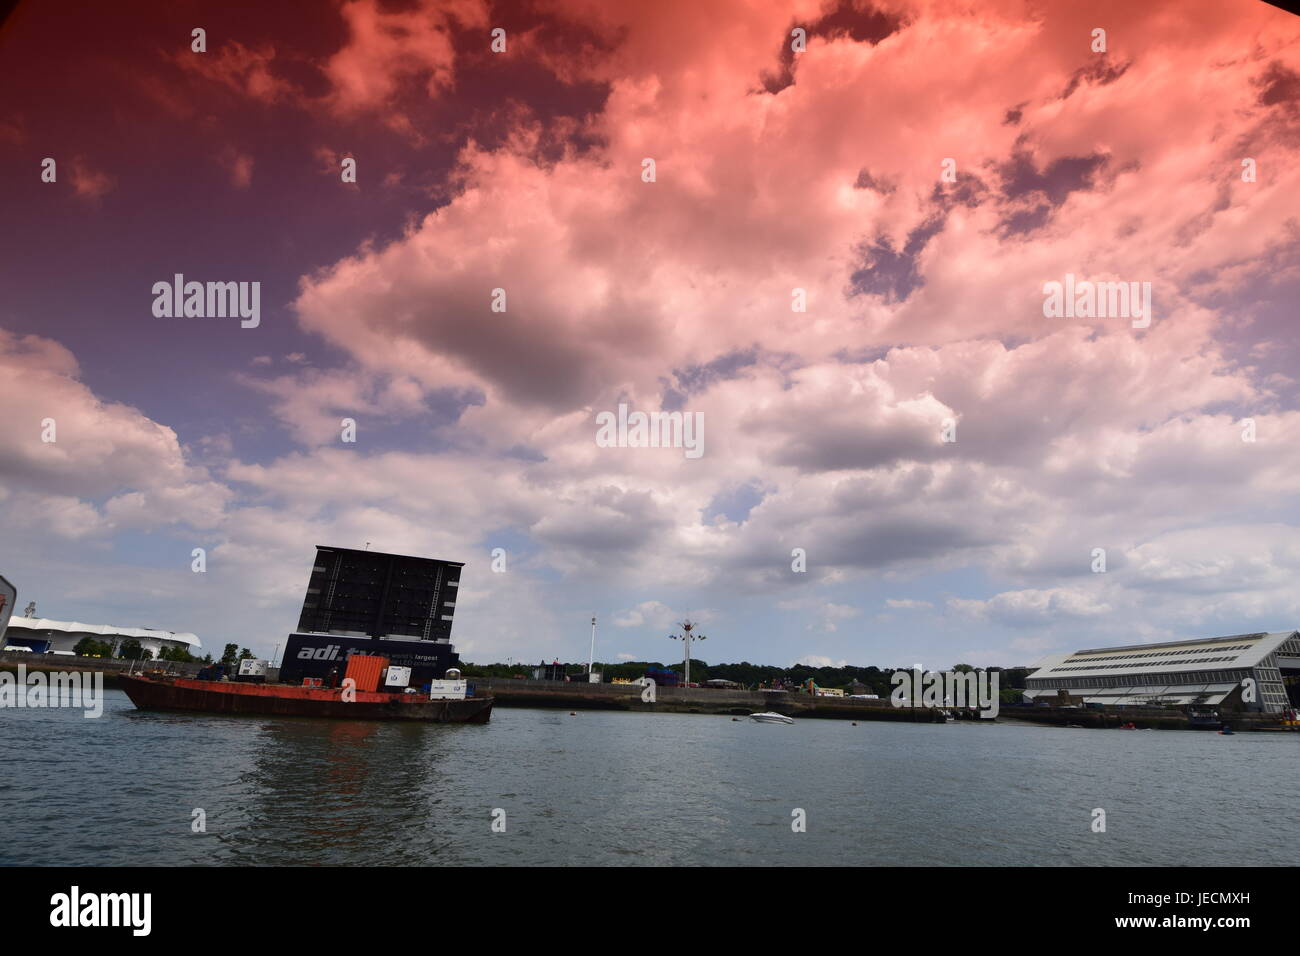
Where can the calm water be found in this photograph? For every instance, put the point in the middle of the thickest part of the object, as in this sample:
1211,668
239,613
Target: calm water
605,788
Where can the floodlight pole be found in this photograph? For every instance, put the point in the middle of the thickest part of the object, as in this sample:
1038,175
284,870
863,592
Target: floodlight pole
686,637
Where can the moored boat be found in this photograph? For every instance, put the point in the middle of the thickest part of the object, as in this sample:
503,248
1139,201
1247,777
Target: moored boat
373,643
149,692
771,718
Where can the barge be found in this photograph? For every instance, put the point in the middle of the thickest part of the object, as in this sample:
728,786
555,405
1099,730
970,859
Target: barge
379,622
149,692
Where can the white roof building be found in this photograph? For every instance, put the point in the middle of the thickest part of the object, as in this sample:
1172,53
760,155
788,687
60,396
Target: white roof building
45,634
1181,672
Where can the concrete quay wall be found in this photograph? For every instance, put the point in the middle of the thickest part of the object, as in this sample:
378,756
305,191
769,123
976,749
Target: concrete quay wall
1154,718
109,667
689,700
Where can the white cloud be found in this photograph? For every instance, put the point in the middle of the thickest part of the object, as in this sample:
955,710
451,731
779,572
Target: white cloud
817,660
1032,606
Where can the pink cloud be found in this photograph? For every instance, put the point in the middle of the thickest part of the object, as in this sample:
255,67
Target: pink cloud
240,167
90,183
248,72
386,48
100,452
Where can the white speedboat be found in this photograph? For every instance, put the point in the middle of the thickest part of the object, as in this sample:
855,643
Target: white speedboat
771,718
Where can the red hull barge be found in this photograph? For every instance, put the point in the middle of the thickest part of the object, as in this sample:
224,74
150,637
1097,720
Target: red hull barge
284,700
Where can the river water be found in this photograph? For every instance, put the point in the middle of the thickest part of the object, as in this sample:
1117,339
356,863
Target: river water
634,789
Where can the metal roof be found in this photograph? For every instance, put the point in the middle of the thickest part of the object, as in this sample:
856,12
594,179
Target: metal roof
1235,652
1171,693
99,630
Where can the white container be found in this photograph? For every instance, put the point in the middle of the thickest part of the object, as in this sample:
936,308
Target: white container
398,676
252,667
447,690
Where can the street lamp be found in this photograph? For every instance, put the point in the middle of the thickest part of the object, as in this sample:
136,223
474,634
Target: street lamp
686,637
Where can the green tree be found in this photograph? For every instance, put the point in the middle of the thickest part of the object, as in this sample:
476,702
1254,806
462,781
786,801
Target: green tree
89,647
132,651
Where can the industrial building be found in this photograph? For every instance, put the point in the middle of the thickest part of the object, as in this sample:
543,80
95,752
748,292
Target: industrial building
44,636
1209,672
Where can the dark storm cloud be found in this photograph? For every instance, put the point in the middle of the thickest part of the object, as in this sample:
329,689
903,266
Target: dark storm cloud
884,539
866,181
866,25
522,353
1055,183
894,273
1032,195
1097,73
848,445
1278,85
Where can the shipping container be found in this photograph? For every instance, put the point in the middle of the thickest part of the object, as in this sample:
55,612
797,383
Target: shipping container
315,655
366,670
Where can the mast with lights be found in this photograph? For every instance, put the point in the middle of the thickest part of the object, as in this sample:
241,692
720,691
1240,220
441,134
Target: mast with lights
686,637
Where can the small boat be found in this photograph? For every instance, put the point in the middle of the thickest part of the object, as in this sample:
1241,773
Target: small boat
1227,730
771,718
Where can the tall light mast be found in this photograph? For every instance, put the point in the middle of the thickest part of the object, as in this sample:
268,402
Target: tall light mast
591,660
686,637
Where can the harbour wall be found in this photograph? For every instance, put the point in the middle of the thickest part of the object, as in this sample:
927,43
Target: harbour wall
692,700
109,667
699,700
1144,718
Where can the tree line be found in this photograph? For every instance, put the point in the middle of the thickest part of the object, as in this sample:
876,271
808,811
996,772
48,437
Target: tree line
874,679
130,650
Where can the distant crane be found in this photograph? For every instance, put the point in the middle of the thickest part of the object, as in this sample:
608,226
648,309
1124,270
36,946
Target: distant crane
686,637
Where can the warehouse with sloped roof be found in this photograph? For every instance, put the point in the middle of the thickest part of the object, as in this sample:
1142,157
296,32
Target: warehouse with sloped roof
1242,670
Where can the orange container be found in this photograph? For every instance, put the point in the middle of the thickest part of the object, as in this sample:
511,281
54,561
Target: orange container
366,670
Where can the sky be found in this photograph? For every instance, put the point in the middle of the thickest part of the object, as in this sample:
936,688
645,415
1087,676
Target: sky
838,259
